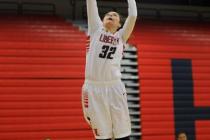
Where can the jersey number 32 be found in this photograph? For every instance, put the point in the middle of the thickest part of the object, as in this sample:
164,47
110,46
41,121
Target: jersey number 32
107,52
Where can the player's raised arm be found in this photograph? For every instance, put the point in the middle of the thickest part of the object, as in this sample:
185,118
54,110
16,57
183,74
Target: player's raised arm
94,20
130,21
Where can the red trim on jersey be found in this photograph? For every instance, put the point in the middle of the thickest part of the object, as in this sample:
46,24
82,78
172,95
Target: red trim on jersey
96,132
85,99
88,44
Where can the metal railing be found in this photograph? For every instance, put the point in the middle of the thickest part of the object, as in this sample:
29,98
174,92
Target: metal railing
153,11
24,8
9,7
129,69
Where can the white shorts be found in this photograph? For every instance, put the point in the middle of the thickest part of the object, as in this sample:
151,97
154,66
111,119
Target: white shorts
106,110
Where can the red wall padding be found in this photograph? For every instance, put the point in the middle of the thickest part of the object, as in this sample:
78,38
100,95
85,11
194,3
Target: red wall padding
42,63
158,43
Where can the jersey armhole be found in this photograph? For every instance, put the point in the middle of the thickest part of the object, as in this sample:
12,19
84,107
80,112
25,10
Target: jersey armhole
121,36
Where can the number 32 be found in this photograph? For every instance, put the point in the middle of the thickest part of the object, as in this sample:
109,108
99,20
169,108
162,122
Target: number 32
107,52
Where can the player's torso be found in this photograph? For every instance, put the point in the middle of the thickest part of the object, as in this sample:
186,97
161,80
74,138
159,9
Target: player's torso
104,56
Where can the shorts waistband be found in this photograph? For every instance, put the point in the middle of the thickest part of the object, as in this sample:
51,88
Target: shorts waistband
102,83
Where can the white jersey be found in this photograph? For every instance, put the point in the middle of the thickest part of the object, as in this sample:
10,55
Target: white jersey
106,49
104,56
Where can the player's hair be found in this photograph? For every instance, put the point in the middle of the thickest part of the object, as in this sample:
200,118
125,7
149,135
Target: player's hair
122,20
181,132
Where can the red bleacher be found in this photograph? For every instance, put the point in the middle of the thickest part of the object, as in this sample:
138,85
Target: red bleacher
42,63
171,33
158,44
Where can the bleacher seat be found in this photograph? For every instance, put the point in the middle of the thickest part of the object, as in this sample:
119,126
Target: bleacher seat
42,63
159,44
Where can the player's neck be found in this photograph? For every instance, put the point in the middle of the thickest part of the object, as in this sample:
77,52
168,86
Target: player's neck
111,30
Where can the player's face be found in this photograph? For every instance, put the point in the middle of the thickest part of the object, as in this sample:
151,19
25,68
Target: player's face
182,136
112,20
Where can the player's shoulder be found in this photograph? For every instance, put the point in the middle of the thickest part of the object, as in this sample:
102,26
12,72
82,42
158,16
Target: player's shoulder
96,31
99,30
120,31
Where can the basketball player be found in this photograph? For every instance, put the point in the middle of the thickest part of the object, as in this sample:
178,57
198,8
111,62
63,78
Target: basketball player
103,94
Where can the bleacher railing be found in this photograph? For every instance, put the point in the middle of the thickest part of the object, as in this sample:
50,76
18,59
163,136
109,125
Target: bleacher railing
25,8
153,11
